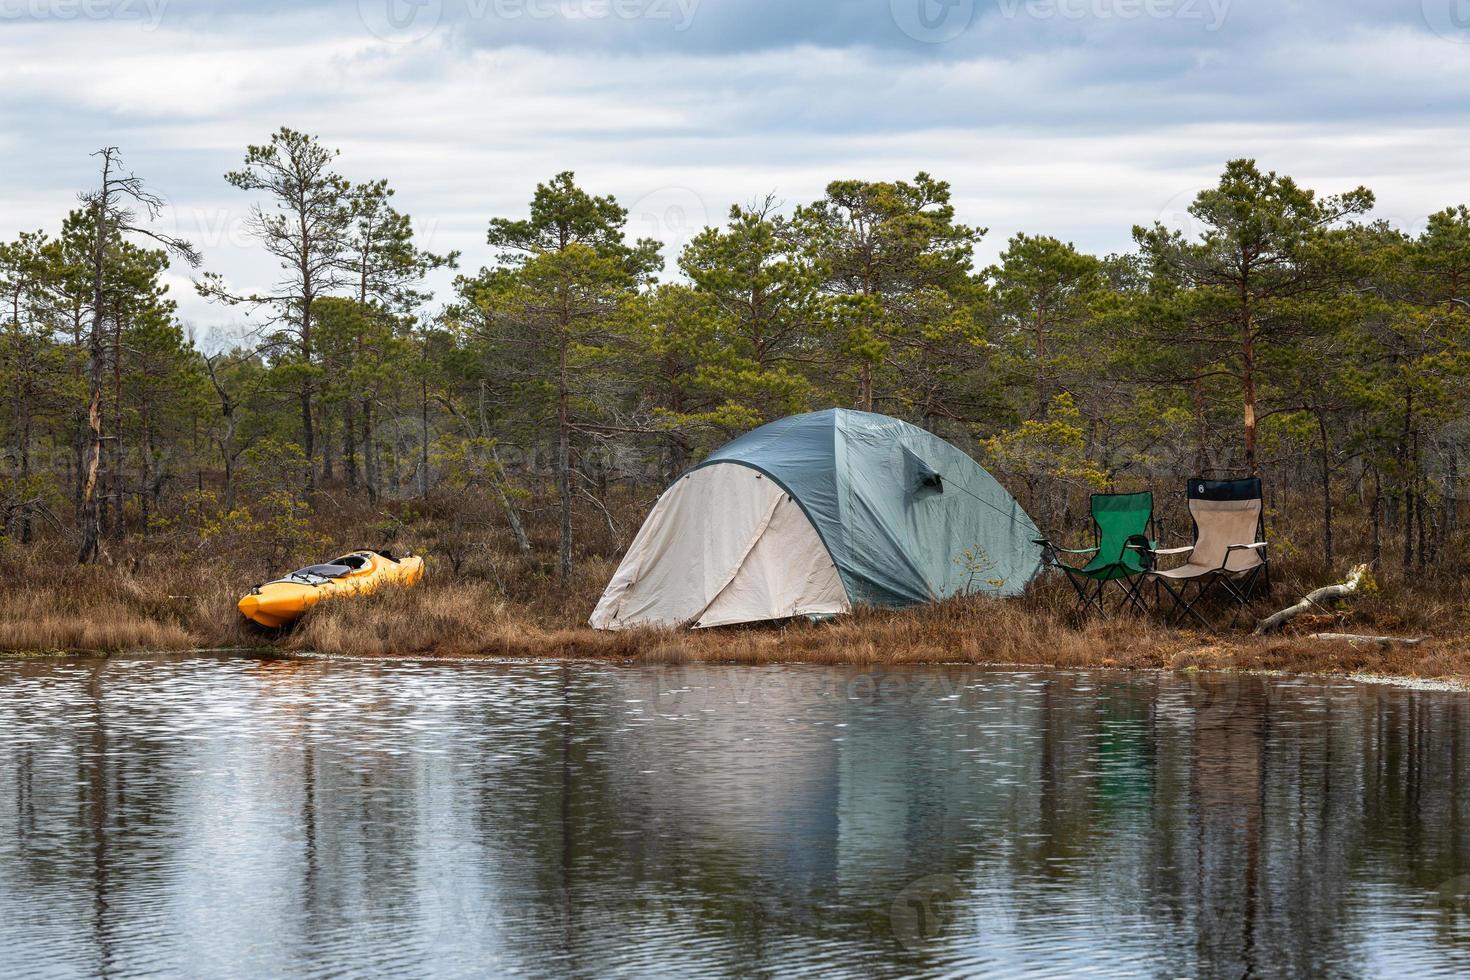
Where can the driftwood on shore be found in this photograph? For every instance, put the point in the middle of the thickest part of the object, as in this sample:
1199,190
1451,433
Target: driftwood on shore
1275,621
1383,641
1354,580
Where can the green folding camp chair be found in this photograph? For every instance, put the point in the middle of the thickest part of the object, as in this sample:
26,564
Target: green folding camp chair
1228,559
1119,520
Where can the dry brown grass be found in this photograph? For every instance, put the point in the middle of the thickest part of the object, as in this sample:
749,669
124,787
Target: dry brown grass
469,620
40,620
483,600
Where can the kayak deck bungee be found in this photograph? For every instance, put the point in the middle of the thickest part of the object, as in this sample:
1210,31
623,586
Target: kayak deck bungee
283,601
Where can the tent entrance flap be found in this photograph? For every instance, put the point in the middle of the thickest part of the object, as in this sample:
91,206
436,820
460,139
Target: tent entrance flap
755,540
786,573
724,544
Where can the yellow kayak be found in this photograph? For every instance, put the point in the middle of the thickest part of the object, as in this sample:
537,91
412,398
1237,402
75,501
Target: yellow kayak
285,600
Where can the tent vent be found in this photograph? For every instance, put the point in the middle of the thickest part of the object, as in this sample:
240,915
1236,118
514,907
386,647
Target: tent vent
923,480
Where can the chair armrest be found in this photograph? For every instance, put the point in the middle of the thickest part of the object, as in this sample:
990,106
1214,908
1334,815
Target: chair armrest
1151,553
1247,547
1046,543
1052,555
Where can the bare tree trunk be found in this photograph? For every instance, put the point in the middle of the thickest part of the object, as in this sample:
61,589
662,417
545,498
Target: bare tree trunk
108,223
20,409
1248,391
512,518
308,437
230,477
349,445
1042,395
1449,518
115,467
24,471
145,489
1377,516
1407,468
226,440
91,513
391,481
1326,465
369,450
1201,428
424,438
1420,504
308,416
79,421
564,465
329,465
517,529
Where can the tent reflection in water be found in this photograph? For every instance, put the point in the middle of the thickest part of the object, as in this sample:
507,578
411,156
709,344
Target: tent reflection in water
814,515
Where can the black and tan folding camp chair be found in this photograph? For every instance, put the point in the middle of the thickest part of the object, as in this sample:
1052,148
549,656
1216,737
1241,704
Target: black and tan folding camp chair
1228,557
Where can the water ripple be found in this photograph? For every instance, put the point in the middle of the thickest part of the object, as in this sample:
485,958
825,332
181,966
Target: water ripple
224,816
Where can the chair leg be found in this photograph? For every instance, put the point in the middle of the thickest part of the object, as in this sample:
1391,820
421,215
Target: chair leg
1260,576
1242,603
1089,595
1184,607
1131,594
1242,591
1171,615
1080,609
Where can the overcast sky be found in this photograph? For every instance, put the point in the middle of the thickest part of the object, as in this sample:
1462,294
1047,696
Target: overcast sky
1076,118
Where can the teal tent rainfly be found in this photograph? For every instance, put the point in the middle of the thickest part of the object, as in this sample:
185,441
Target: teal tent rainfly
814,515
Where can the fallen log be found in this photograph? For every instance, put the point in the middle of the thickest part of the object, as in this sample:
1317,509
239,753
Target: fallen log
1381,641
1275,621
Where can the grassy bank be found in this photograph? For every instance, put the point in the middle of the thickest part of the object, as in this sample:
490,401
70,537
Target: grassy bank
482,598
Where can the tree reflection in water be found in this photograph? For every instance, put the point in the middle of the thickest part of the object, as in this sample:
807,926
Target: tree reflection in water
223,816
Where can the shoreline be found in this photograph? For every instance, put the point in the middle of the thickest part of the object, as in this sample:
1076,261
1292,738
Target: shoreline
516,616
1444,684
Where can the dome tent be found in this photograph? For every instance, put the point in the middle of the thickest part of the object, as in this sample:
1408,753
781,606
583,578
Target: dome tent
815,514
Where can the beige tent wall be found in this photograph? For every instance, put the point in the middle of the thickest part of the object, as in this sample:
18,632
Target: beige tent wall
723,545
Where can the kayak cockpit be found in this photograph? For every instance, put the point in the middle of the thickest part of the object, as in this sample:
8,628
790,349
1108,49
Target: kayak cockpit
334,569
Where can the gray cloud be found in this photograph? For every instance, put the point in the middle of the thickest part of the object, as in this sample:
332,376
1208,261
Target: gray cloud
920,28
1072,117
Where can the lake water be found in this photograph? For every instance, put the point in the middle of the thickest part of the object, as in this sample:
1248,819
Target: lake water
207,816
